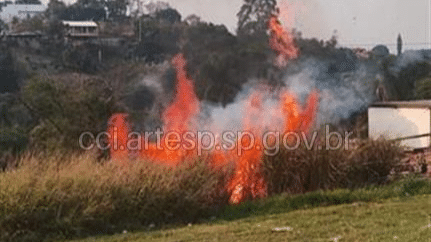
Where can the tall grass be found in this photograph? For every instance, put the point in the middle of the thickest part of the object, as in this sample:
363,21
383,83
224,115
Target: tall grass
65,196
304,170
61,197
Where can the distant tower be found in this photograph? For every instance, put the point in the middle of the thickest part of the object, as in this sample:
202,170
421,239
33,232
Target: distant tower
399,44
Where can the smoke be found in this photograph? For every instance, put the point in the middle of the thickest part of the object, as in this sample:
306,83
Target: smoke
218,119
342,94
410,57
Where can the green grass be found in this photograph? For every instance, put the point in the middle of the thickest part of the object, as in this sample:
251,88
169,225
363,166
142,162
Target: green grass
399,219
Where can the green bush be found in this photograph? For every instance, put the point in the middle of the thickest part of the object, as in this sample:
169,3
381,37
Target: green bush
65,108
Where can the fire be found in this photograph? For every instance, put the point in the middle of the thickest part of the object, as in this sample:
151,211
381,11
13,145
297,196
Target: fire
247,181
295,118
281,42
180,117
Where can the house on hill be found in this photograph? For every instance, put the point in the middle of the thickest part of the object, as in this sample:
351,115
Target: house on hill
81,29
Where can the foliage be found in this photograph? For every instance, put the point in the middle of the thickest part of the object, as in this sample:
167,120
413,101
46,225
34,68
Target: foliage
84,58
401,79
115,9
160,37
78,12
8,75
220,62
423,88
3,26
15,124
65,108
170,15
253,16
37,2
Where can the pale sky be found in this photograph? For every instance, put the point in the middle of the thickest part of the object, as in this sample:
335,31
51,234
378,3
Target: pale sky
359,23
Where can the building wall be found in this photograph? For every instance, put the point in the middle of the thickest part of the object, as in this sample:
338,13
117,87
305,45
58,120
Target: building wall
393,123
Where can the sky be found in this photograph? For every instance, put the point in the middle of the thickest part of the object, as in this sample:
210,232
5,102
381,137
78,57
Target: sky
363,23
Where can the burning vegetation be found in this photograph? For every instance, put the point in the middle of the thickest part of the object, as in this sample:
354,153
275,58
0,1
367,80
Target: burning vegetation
240,118
180,117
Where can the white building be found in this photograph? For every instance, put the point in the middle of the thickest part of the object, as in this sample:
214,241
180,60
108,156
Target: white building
81,28
20,11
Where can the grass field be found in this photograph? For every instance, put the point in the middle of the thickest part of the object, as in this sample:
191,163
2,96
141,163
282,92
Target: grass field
60,198
405,218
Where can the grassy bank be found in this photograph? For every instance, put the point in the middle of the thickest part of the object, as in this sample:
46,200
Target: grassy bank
59,197
399,219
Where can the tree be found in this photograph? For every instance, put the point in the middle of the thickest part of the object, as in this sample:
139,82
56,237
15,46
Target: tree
3,26
115,9
170,15
65,109
160,35
35,2
77,12
399,45
254,14
153,8
8,76
193,20
423,88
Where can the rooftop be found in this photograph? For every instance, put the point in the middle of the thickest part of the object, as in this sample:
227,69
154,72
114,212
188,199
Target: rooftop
404,104
80,23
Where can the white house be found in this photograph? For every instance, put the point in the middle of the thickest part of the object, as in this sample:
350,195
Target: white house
81,28
408,121
20,11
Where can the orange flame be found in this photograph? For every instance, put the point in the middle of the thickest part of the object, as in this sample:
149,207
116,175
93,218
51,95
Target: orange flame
281,42
247,181
178,118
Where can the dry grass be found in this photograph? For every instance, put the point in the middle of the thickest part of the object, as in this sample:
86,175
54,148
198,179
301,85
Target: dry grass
66,196
303,170
75,196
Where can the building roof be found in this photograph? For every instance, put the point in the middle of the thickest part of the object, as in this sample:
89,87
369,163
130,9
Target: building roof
80,23
404,104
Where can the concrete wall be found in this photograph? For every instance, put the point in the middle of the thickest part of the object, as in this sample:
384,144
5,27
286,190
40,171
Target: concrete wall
392,123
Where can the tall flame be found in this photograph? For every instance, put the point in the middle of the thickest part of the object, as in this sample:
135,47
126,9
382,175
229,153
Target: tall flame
247,180
178,117
281,42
